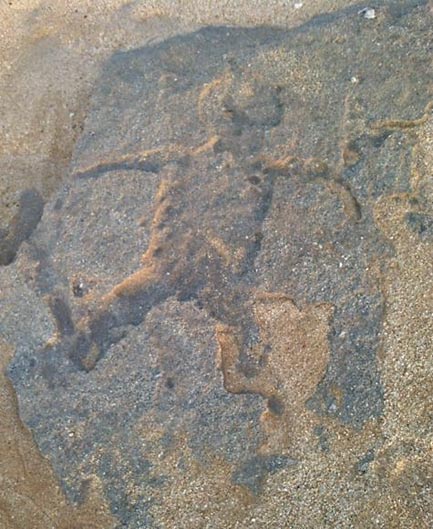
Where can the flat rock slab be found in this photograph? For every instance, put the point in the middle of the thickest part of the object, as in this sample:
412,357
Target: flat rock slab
199,313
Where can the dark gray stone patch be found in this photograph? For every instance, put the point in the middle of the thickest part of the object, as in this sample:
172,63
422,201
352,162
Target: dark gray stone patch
322,438
421,224
252,472
31,206
364,462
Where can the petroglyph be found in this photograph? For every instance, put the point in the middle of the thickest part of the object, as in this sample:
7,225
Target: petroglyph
235,162
220,240
225,165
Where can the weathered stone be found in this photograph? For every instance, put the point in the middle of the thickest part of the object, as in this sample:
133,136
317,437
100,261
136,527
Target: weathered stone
246,166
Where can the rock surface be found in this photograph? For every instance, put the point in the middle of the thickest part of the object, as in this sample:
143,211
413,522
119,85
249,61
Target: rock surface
211,293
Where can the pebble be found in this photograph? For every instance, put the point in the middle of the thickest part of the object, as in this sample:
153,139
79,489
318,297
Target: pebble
368,12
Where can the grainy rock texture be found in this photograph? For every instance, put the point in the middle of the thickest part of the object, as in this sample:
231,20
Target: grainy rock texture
207,319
